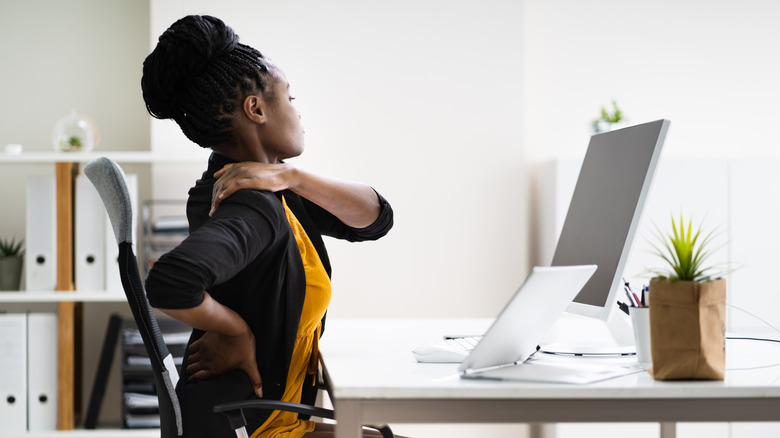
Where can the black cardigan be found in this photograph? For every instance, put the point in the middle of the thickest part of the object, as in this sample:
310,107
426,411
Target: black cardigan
247,258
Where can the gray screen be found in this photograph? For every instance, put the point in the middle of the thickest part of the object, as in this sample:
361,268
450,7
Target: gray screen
606,206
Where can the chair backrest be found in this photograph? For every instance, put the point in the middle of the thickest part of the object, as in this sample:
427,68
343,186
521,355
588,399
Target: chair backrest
109,180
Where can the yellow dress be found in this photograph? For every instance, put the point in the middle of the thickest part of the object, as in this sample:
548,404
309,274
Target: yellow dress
283,424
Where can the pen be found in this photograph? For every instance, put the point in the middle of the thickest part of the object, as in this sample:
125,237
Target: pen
631,297
638,302
629,293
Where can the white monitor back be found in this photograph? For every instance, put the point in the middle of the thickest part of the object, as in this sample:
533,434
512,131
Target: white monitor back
605,210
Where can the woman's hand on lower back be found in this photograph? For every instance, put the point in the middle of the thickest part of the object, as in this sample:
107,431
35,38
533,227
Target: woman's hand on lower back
228,343
215,354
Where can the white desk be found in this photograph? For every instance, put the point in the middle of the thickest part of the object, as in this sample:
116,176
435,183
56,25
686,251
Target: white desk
375,380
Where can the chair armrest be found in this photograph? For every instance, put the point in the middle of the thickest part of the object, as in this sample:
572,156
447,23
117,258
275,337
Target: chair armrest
232,409
235,412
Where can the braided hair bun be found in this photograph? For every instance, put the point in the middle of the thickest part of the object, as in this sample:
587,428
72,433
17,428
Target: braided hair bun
197,75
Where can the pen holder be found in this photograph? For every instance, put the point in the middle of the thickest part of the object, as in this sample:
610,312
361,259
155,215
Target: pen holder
640,320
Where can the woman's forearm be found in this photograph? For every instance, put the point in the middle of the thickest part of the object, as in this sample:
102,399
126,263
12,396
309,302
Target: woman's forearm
355,204
210,315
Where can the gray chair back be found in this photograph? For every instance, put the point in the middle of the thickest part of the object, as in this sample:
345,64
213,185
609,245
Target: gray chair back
109,180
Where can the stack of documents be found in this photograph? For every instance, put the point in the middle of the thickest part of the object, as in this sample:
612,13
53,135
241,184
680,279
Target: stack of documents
140,408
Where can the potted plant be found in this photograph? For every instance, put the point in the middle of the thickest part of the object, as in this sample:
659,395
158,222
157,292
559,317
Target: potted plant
11,261
608,120
687,301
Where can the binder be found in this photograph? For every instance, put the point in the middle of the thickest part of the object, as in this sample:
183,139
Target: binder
112,279
41,371
41,235
13,372
89,237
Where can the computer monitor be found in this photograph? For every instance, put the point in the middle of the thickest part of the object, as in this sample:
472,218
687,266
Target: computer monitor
604,213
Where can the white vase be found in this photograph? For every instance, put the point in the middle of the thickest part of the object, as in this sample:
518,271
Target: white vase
75,132
602,126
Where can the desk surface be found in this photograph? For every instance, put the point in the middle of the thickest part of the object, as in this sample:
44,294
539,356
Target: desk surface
375,378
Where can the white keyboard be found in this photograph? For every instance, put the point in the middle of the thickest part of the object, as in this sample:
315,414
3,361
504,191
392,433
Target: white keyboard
464,342
451,349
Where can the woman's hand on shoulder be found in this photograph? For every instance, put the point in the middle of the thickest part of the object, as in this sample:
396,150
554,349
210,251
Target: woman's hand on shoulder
354,204
251,175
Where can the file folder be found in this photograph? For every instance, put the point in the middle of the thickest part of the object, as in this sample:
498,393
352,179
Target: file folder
41,371
113,282
41,234
13,372
90,237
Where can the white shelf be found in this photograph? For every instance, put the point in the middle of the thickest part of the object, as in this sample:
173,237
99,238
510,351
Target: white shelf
56,297
196,156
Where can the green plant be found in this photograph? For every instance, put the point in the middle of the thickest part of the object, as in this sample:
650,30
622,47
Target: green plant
11,248
685,250
74,142
615,116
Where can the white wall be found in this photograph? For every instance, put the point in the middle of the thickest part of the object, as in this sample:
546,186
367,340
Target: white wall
709,66
422,101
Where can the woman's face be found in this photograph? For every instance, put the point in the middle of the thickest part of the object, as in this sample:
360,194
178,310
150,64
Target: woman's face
283,133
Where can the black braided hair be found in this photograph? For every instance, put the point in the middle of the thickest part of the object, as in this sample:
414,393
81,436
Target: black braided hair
198,75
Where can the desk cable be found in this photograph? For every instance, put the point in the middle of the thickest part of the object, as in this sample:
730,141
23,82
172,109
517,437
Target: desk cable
753,338
747,338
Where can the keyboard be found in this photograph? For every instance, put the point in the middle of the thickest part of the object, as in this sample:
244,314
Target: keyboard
451,349
466,343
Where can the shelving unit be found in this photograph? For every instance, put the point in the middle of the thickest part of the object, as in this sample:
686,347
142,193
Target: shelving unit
139,405
67,299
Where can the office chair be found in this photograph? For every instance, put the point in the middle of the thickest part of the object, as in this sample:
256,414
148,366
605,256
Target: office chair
108,178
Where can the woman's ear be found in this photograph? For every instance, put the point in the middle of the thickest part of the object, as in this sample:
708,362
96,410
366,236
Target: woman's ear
255,109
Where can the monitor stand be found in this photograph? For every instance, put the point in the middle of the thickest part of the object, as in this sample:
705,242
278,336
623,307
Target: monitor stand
586,336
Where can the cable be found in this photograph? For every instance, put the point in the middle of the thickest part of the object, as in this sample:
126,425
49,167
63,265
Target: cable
746,338
730,338
754,316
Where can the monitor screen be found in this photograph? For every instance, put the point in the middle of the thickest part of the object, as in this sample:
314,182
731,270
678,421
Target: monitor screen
605,209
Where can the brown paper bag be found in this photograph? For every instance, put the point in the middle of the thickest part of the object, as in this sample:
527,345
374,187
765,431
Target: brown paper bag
688,329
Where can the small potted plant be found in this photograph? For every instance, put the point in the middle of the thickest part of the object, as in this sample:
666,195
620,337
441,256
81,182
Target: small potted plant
687,301
608,120
11,261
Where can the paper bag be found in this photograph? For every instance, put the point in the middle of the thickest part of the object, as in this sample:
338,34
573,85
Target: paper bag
688,329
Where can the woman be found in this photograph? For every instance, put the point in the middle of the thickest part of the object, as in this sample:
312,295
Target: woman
252,277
